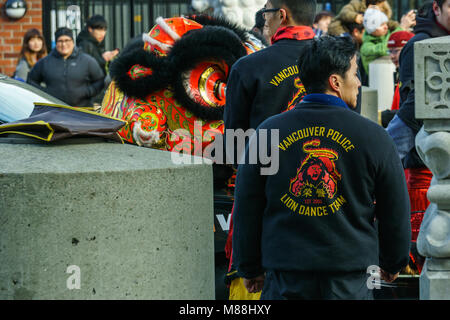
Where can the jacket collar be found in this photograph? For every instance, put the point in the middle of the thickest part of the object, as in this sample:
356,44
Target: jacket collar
430,26
293,32
327,99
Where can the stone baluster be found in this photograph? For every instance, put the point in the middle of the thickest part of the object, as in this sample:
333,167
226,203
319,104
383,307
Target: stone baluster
432,98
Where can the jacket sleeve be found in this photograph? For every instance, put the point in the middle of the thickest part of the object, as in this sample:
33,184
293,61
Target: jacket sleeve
36,75
22,70
90,49
406,110
238,104
249,205
392,211
96,78
349,12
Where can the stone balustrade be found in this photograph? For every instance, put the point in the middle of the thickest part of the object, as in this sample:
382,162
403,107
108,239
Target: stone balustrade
432,98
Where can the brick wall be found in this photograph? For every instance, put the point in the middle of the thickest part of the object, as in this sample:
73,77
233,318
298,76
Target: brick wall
12,32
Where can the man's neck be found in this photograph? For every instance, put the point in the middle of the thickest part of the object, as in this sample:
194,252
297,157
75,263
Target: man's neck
440,25
331,93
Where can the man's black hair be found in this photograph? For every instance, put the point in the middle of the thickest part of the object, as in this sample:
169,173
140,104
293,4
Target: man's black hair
97,22
353,25
323,57
440,3
303,11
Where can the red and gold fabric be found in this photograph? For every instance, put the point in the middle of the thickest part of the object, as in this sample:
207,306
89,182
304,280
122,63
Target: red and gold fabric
171,88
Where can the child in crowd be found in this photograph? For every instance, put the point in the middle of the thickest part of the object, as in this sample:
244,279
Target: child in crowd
396,42
321,23
353,12
375,37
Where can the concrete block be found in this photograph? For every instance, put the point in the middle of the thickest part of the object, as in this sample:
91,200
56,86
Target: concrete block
435,280
136,225
431,78
369,103
381,78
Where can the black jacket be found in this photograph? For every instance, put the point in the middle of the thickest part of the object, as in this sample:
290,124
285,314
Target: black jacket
296,221
92,47
74,80
263,84
266,75
426,28
271,75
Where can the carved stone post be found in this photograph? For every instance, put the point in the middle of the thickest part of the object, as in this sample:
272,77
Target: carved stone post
432,97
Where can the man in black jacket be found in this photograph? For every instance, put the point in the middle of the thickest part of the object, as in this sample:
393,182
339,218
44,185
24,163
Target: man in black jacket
433,22
68,74
337,207
271,75
92,41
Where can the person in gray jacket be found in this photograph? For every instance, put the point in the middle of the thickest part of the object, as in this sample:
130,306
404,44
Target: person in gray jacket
33,49
68,74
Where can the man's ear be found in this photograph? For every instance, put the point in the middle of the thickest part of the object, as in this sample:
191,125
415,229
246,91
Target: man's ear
334,83
436,9
283,15
89,29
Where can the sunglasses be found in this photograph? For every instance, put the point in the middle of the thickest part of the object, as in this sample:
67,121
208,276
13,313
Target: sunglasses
264,10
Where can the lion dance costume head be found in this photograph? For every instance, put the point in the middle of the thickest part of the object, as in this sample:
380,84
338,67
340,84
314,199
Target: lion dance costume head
174,79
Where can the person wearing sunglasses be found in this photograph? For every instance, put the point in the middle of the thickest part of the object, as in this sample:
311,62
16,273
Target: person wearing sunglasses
266,83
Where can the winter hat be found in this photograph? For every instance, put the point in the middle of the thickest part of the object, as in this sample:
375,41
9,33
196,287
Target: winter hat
399,39
63,32
373,19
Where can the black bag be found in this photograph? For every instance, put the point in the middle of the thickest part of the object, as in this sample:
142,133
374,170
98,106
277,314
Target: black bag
50,122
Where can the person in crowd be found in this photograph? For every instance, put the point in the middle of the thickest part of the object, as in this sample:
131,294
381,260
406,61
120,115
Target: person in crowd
353,12
356,33
250,85
68,74
33,49
259,22
321,23
338,205
258,28
433,21
92,41
375,37
396,42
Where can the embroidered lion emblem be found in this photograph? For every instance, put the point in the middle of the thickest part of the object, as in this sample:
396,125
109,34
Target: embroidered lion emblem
317,176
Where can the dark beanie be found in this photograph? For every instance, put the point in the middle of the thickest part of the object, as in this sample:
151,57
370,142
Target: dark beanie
63,32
